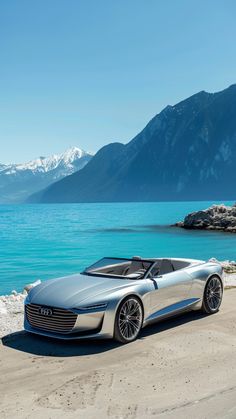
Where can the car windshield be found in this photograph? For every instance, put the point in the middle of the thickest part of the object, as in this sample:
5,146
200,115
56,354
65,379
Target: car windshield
135,268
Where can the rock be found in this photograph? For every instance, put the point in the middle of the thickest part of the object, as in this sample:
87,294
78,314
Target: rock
3,309
217,217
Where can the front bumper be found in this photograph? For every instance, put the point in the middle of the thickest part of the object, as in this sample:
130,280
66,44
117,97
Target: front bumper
96,334
89,324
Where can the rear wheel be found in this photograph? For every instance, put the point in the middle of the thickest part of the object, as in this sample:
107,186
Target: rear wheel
212,295
129,320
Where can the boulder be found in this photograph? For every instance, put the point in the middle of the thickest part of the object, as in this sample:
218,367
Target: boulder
216,217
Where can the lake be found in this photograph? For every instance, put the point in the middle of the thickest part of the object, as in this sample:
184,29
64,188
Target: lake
46,241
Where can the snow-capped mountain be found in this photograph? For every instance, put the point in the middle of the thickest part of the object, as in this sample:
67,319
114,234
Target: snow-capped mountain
18,181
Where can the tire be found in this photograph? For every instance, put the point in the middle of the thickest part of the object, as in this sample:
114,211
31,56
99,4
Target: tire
129,320
213,294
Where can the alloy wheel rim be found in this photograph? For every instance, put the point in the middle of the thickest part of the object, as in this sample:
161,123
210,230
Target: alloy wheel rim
130,319
214,293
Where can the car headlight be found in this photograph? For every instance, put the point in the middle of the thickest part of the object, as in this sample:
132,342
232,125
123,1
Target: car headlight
91,307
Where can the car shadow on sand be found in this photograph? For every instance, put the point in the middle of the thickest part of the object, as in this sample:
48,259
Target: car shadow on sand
44,346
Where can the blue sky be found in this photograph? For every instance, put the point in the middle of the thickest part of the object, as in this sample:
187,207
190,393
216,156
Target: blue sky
88,72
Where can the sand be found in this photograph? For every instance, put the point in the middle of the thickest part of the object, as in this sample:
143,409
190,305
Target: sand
180,368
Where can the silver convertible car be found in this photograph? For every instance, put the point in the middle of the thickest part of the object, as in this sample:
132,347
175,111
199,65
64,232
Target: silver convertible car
117,297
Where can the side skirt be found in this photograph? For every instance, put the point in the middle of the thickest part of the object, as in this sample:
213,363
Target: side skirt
172,310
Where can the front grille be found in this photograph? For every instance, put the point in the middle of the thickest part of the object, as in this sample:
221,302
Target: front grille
61,321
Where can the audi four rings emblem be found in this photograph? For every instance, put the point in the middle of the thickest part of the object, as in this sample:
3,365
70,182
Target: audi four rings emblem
44,311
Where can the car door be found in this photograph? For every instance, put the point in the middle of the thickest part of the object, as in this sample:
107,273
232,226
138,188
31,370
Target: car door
170,290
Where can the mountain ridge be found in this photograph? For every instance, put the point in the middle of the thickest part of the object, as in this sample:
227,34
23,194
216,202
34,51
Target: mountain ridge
187,151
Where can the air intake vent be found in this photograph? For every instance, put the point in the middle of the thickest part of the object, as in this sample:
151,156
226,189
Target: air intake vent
52,319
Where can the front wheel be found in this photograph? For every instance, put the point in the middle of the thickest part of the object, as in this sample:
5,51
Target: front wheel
129,320
212,295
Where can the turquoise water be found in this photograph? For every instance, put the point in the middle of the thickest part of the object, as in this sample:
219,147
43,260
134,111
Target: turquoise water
46,241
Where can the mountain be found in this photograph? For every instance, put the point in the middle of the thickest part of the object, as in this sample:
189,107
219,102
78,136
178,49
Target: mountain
18,181
186,152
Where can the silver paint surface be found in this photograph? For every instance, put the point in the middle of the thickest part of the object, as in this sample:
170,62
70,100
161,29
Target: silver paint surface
161,297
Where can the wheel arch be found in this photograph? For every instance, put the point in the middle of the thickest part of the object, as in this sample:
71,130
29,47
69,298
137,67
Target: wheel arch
132,294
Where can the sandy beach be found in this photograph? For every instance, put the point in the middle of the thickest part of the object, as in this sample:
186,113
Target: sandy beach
184,367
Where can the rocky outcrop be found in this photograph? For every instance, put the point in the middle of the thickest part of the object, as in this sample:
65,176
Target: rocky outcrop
217,217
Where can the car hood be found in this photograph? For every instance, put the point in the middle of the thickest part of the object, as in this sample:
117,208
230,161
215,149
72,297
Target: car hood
74,290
